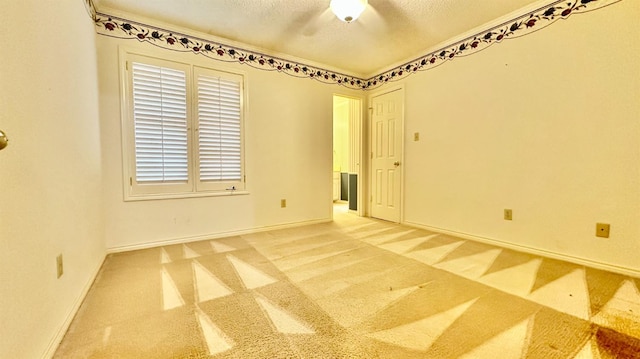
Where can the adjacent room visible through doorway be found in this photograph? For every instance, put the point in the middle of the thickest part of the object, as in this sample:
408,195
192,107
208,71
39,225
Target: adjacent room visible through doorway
347,153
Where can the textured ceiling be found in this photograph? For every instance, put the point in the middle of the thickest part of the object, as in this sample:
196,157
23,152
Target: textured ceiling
389,31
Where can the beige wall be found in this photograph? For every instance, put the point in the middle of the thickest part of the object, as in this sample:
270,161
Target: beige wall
288,156
50,174
547,125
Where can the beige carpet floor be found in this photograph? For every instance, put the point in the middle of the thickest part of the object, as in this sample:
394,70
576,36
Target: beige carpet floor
353,288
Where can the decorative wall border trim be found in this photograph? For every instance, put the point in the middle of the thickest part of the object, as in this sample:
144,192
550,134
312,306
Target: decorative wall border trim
117,27
91,8
523,25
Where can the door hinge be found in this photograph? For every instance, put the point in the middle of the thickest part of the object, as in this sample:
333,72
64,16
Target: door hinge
245,178
130,181
126,65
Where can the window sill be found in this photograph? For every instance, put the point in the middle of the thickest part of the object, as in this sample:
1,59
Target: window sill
163,196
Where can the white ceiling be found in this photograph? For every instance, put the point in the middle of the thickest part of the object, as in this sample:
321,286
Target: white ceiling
389,31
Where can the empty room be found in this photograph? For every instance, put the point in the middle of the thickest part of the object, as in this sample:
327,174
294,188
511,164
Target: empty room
320,179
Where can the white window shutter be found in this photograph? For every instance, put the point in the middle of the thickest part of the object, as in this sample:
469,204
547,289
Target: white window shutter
160,124
219,99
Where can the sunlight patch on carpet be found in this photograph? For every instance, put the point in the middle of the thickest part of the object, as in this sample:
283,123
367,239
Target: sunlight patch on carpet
622,312
350,309
291,263
568,294
556,335
171,297
251,276
216,341
379,239
207,286
164,256
516,280
434,255
416,233
508,259
421,334
361,235
509,344
107,335
220,247
322,267
550,271
602,286
189,253
468,249
471,266
406,245
588,351
283,321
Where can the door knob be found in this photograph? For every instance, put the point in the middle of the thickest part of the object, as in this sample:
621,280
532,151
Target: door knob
396,163
4,141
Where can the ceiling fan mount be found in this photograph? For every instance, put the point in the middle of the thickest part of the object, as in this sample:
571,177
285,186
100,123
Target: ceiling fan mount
348,10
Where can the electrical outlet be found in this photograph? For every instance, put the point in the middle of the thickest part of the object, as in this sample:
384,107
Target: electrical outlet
508,214
602,230
59,265
283,203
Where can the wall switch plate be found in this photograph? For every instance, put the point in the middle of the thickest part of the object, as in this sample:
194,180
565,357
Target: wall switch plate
59,265
416,136
602,230
283,203
508,214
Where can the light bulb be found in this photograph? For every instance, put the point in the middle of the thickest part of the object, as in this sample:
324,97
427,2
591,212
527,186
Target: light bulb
348,10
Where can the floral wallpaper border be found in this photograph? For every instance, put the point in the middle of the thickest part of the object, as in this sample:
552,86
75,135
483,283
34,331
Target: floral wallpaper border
522,25
117,27
91,8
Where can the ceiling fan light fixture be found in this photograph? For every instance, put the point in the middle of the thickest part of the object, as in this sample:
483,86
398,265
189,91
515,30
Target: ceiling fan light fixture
348,10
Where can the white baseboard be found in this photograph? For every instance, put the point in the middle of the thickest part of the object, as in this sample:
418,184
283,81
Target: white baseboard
203,237
62,330
541,252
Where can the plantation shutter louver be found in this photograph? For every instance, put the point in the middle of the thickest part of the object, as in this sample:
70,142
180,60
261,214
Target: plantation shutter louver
219,127
182,129
160,124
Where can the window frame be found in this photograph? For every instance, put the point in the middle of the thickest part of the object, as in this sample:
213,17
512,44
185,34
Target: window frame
216,185
135,191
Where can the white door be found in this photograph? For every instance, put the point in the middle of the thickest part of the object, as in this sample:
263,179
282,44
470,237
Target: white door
386,148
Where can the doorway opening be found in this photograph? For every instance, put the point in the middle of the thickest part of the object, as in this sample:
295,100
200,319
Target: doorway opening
347,152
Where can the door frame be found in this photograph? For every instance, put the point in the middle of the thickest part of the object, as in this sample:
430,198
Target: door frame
361,163
384,91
